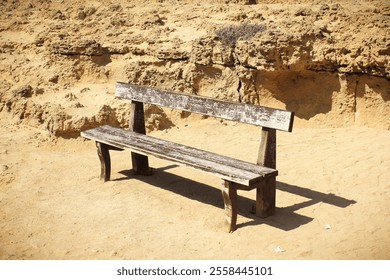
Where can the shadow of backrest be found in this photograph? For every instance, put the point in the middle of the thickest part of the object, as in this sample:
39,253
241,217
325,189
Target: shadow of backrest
314,196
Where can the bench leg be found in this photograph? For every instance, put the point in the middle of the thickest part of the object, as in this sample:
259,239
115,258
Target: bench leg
265,194
137,124
105,161
265,198
229,193
140,164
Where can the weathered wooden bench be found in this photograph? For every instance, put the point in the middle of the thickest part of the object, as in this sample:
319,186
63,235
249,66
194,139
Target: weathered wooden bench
235,174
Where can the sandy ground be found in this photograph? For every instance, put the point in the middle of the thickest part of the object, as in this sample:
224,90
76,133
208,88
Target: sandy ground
332,198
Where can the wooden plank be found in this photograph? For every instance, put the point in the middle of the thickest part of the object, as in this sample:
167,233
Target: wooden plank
241,112
187,150
230,169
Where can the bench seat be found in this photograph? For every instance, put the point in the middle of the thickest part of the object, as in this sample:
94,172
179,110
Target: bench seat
246,174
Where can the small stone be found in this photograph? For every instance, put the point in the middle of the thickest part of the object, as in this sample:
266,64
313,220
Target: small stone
81,15
279,249
24,91
3,168
54,79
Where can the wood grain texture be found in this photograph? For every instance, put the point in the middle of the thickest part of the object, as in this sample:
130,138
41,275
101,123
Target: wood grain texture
229,194
266,198
267,149
137,118
241,172
241,112
266,191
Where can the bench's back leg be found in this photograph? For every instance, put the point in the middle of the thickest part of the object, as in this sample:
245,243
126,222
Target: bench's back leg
229,193
137,124
105,161
266,192
265,198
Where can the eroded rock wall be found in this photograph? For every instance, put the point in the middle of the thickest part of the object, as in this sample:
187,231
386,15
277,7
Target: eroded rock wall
327,62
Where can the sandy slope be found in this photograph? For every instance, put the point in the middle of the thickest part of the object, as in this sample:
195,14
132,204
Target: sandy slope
332,198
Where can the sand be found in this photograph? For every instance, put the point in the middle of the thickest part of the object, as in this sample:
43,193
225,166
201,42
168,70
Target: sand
332,198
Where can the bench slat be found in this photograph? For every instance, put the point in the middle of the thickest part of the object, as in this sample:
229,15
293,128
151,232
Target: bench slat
245,113
234,170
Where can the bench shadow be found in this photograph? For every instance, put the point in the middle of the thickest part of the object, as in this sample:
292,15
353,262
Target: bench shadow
285,218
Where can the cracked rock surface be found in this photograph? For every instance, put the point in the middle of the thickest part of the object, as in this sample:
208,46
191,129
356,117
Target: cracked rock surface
327,62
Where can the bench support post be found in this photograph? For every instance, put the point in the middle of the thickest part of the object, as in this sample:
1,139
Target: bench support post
137,124
229,193
266,192
265,198
105,161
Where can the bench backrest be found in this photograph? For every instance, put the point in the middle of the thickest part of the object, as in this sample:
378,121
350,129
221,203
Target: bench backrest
241,112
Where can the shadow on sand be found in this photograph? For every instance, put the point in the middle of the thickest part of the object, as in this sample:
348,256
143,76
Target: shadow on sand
285,218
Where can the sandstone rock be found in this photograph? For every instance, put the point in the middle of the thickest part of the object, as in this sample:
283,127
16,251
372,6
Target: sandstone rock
329,62
82,47
24,91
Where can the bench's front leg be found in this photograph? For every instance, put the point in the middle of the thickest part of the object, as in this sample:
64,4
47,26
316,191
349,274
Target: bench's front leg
265,198
229,193
105,161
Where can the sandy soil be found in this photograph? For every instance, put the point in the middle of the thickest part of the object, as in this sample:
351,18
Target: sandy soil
332,198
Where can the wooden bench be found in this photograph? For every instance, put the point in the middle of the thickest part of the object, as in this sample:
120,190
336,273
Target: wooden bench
235,174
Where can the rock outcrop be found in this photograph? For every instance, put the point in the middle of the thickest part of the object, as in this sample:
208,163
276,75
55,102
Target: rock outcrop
328,62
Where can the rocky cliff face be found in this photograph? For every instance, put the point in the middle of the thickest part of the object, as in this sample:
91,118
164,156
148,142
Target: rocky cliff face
327,62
